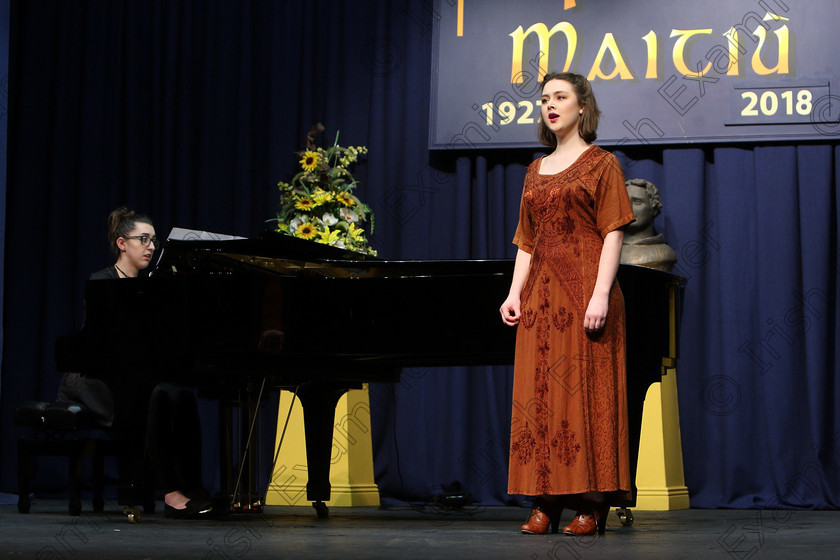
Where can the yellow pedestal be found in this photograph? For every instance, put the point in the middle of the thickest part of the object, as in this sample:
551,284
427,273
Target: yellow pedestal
660,481
351,468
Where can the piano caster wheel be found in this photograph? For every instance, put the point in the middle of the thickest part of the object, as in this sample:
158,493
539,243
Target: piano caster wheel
321,509
625,516
133,514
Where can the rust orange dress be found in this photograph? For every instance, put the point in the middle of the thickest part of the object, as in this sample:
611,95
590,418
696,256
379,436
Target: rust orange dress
569,419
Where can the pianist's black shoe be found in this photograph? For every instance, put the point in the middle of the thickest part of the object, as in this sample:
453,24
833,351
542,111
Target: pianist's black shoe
195,509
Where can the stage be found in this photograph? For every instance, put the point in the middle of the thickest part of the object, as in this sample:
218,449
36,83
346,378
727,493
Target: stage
413,532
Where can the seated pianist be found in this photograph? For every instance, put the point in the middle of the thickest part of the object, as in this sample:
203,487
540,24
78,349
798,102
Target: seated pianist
164,422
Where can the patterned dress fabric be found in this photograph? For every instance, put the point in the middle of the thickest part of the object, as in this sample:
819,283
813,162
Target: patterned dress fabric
569,430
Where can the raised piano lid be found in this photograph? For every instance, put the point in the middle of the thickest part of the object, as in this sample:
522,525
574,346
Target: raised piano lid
276,253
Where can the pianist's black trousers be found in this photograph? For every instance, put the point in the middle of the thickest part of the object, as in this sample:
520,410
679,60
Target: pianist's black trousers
174,439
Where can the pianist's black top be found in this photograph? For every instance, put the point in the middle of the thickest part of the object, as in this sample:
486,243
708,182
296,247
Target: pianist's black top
105,274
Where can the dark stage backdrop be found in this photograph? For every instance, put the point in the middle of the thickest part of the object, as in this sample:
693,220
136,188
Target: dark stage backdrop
4,119
192,111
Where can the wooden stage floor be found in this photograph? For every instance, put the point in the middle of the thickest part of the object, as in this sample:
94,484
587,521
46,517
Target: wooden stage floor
48,532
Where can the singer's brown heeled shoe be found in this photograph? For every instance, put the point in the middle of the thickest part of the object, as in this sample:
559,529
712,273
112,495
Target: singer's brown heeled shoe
586,523
540,521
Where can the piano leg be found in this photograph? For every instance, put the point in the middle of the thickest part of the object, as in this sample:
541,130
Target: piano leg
319,401
635,406
226,452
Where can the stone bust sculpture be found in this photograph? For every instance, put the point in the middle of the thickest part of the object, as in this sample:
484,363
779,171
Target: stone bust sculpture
641,245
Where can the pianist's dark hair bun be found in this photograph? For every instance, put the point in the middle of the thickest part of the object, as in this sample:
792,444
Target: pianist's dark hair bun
121,222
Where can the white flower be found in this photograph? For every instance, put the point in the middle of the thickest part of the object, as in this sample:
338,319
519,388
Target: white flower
329,219
348,215
296,221
338,243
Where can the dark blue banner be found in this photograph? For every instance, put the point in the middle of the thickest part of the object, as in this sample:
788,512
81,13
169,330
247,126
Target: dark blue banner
663,71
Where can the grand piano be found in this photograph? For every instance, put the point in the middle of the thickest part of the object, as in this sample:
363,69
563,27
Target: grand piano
280,312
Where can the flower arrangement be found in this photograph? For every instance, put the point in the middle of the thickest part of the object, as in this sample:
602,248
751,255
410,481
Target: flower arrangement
318,204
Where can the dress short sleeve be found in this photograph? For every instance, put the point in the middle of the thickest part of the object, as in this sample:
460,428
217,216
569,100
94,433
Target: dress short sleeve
524,236
612,203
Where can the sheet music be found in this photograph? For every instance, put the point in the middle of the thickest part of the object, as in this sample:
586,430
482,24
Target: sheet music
184,234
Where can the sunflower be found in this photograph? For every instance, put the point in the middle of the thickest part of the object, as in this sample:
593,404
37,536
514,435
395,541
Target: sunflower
345,199
305,231
310,160
305,203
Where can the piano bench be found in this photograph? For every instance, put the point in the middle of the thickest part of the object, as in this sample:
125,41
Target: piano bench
61,429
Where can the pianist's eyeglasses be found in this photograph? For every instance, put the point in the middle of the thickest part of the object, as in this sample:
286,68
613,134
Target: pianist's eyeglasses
144,240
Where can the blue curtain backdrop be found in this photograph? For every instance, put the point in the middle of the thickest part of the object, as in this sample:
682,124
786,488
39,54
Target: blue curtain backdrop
192,111
4,119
